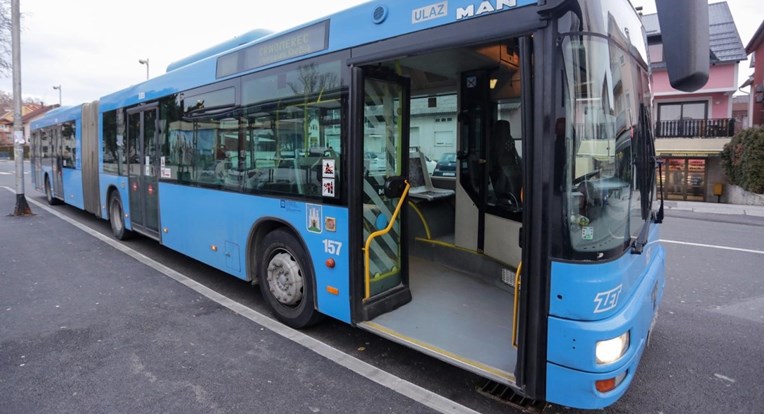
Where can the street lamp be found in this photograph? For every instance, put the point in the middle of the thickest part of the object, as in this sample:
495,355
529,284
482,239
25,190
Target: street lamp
145,62
58,87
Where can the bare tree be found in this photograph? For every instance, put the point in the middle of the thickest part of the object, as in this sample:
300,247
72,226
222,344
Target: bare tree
5,38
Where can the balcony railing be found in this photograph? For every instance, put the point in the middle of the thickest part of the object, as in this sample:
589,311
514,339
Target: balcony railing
696,128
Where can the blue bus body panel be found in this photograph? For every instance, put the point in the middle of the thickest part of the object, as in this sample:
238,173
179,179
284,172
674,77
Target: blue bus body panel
59,115
621,296
108,181
73,188
349,28
214,227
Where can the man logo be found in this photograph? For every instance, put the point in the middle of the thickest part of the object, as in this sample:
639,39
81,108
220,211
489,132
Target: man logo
605,301
483,8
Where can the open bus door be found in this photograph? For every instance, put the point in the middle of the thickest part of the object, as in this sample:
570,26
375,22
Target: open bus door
383,103
441,280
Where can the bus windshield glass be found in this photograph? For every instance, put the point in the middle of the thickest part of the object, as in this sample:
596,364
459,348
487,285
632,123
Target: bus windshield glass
601,92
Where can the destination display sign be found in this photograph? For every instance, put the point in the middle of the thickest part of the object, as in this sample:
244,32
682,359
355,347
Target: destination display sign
301,42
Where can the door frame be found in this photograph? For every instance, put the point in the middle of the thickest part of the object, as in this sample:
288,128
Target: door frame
364,310
141,193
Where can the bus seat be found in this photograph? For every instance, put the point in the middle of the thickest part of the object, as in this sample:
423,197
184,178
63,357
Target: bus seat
506,174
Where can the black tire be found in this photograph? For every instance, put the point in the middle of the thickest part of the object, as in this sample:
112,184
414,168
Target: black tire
49,193
117,218
288,287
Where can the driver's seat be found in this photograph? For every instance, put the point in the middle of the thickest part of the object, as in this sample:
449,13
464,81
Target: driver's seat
507,174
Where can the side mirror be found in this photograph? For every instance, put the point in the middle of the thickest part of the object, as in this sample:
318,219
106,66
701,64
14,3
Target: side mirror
394,186
685,35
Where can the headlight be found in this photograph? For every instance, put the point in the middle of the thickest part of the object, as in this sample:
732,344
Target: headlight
611,350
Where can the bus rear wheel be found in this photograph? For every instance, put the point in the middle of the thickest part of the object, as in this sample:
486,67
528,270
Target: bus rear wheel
286,280
49,193
117,218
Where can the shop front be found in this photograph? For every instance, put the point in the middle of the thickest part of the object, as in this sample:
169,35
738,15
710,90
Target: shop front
692,169
685,178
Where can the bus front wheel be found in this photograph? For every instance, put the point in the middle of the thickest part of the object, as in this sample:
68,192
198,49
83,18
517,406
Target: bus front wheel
286,279
117,218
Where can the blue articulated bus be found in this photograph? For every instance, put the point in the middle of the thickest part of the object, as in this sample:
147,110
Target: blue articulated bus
301,161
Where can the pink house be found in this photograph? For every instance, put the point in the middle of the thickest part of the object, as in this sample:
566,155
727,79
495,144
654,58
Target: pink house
692,128
754,48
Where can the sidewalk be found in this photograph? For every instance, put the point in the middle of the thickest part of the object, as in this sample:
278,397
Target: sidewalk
714,208
85,327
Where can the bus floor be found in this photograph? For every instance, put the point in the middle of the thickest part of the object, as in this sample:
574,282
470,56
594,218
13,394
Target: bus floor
455,317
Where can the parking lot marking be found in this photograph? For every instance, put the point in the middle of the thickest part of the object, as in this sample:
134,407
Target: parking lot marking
384,378
712,246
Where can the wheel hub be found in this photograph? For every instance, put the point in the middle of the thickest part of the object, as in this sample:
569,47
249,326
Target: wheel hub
285,280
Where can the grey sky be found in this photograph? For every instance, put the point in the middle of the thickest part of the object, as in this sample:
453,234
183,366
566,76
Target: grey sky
91,47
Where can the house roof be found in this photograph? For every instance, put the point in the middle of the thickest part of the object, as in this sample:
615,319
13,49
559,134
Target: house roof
755,40
37,112
7,117
724,41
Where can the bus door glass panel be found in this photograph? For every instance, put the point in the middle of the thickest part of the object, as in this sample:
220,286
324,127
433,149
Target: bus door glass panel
69,142
58,161
491,168
44,153
504,147
385,106
150,170
134,167
143,168
475,127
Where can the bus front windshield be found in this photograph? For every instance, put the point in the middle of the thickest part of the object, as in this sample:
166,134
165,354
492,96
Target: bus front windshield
602,94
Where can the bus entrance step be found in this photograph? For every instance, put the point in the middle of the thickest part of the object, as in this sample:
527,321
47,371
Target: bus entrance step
507,395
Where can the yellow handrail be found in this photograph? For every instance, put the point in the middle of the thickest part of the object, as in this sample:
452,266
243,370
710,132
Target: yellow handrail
515,304
379,233
422,219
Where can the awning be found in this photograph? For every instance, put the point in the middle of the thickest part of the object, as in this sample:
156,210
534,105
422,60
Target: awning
690,147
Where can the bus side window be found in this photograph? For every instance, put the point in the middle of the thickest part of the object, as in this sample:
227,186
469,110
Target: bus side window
295,120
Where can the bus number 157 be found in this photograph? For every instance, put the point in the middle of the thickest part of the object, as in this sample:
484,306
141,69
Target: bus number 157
332,247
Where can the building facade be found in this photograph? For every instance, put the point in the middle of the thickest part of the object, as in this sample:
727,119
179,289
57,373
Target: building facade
29,112
691,129
754,49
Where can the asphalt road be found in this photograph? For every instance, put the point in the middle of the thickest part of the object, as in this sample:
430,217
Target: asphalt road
86,328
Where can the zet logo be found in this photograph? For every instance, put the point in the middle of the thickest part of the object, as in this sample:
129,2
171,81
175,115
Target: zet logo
605,301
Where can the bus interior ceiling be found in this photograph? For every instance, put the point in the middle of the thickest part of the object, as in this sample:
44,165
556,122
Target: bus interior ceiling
462,299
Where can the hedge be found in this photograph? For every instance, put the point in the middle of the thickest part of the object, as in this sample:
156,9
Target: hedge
742,159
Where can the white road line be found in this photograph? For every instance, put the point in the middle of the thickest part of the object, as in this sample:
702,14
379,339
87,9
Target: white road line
712,246
384,378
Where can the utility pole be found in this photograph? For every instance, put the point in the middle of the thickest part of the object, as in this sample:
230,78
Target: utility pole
22,207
